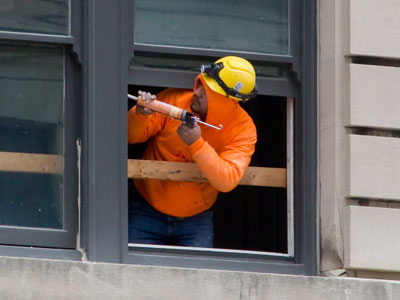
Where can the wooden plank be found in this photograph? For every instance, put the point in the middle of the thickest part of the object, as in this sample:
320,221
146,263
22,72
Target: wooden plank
140,169
261,176
31,163
189,172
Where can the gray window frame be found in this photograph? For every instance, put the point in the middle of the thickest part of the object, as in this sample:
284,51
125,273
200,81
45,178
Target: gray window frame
43,238
298,81
101,44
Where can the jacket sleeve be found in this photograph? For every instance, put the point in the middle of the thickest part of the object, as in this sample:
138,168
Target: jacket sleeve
141,127
224,171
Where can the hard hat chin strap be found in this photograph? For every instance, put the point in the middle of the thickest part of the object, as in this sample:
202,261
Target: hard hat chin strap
213,70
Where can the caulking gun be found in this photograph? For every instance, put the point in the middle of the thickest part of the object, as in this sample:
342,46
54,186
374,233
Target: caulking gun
175,112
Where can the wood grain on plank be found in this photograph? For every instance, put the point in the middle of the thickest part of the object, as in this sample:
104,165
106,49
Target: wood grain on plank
180,171
31,163
140,169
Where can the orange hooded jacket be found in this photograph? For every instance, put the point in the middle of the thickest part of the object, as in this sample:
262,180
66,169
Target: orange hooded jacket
222,155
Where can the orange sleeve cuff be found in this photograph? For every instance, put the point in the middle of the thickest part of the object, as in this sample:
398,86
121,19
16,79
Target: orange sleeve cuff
135,114
197,145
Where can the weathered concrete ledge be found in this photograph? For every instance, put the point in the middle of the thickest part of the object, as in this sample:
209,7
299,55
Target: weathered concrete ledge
35,279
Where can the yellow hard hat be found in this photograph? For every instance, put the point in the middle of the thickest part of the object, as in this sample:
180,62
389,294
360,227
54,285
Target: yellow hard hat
231,76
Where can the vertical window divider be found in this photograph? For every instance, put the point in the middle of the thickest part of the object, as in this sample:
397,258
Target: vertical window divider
289,175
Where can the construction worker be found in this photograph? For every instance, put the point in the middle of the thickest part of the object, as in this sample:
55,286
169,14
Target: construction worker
179,213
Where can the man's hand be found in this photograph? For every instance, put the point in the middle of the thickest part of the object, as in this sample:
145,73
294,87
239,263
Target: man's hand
189,135
146,97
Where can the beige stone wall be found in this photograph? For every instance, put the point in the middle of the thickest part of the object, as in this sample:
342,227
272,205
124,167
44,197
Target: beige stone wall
331,67
34,279
374,27
359,137
373,242
374,96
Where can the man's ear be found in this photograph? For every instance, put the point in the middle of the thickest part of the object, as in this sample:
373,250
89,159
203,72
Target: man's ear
197,82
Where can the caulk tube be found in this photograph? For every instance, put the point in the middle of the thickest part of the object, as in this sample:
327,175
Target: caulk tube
166,109
163,108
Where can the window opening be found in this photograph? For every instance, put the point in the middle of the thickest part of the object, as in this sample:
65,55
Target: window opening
249,218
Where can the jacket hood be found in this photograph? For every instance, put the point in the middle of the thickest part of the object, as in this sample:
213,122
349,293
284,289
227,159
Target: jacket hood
220,107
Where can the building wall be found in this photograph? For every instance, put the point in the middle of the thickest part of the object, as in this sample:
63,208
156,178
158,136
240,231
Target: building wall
34,279
359,162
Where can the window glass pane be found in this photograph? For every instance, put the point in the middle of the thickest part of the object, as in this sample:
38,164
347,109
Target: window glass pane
39,16
31,136
253,25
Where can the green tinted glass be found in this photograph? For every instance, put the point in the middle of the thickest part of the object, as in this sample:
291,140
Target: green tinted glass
253,25
38,16
31,136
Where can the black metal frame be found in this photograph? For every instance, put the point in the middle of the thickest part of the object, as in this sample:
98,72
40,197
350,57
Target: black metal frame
104,177
306,142
44,237
47,237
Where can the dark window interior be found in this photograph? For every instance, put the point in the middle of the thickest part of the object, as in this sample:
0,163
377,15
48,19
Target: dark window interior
249,217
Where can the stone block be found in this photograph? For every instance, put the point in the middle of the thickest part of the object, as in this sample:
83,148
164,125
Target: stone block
372,240
374,167
374,96
375,28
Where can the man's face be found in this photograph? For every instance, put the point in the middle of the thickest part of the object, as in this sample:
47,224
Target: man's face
199,103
